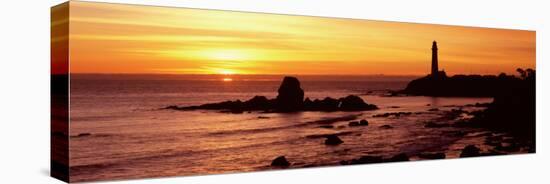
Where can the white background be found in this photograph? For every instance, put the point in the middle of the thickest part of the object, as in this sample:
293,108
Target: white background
24,90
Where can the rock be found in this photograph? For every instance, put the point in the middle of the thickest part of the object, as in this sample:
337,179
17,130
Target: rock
381,115
291,95
470,151
263,117
432,155
280,162
399,158
327,104
333,140
359,123
228,106
257,102
308,104
326,126
388,114
354,103
386,127
344,162
353,123
368,160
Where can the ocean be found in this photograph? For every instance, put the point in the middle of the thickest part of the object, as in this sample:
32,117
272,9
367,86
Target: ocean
119,130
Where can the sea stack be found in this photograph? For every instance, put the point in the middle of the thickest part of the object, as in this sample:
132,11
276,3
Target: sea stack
291,95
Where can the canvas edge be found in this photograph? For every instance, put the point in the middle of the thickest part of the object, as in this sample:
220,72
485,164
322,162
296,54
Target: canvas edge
59,99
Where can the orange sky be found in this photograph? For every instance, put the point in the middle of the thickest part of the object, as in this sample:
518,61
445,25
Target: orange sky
114,38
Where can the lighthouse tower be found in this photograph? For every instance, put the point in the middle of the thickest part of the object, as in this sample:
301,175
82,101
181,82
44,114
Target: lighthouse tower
435,69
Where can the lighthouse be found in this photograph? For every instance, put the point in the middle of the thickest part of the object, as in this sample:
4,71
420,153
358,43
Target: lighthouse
435,69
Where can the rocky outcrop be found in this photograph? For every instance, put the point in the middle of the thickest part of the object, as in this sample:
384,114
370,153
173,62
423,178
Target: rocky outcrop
390,114
431,155
398,158
280,162
352,103
290,97
386,127
362,122
333,140
470,151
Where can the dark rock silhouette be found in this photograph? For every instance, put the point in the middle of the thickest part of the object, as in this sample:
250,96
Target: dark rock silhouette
308,103
432,155
395,114
291,95
327,104
289,99
461,85
470,151
280,162
386,127
513,109
353,123
362,122
326,126
352,103
333,140
257,102
398,158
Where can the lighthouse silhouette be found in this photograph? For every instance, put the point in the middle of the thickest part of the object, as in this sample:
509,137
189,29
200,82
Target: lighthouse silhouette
435,69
